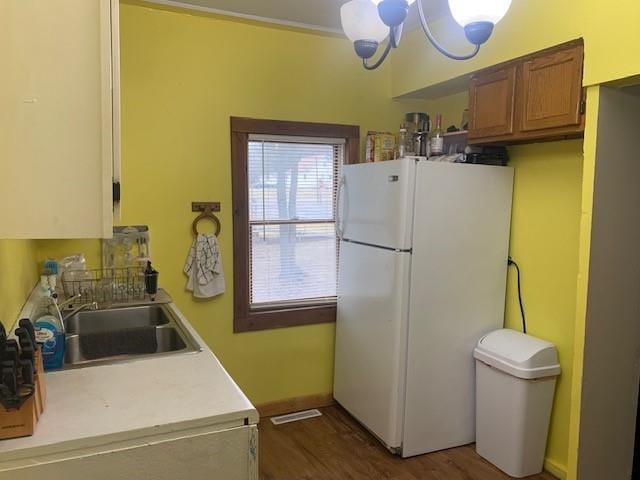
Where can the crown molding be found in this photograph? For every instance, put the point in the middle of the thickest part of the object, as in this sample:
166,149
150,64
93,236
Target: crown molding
244,16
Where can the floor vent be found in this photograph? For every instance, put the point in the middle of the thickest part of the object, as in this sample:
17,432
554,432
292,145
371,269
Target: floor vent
294,417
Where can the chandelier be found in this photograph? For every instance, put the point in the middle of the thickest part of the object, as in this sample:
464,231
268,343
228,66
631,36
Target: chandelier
367,23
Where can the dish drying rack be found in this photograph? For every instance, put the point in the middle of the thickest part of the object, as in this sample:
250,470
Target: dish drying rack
109,285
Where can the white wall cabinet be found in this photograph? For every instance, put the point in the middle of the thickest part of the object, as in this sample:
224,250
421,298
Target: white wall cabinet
59,118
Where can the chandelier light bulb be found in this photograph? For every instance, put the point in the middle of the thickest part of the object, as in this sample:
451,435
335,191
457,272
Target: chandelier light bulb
409,2
360,21
466,12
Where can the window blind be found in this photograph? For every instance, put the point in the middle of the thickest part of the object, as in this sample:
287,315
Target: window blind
293,246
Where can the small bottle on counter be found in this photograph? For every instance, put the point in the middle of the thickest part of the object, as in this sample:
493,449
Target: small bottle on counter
437,140
401,144
464,123
151,281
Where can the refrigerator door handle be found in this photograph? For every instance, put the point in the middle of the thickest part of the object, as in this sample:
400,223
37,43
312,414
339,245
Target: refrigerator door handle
339,230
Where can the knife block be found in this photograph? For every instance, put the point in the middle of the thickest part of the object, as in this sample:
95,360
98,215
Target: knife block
22,422
18,423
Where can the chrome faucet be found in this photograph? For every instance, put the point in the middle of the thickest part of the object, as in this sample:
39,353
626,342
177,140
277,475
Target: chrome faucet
65,315
67,301
79,308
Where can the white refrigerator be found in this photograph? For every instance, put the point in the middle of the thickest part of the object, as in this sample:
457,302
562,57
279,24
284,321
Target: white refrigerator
423,260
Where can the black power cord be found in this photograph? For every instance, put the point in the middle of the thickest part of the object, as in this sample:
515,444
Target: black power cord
510,262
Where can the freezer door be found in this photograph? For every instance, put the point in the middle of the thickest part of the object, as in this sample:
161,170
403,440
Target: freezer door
371,337
376,203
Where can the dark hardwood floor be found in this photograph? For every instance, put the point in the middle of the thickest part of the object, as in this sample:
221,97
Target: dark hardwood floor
336,447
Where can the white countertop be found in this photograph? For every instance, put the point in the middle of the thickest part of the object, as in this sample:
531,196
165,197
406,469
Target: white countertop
92,406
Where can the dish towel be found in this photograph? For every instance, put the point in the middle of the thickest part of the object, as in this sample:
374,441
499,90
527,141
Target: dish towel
204,267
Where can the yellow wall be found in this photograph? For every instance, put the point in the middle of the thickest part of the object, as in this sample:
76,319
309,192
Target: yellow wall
545,235
612,53
613,41
583,274
530,25
544,241
610,32
58,249
18,276
450,107
183,76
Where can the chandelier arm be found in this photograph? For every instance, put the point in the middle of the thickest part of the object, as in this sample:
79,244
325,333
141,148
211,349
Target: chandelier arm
395,34
436,44
381,59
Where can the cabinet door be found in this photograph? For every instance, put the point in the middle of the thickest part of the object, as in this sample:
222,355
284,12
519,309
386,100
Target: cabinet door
552,90
491,103
56,127
230,454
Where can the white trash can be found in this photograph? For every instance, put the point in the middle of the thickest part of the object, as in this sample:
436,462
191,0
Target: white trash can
515,384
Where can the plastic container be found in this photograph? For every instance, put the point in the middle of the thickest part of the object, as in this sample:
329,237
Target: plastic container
50,334
151,281
515,384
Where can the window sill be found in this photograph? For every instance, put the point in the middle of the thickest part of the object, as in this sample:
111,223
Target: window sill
283,318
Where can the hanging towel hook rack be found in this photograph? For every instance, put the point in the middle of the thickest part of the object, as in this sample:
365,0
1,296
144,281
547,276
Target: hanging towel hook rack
206,210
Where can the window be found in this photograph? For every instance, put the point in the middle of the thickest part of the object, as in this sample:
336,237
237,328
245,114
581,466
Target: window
285,177
293,247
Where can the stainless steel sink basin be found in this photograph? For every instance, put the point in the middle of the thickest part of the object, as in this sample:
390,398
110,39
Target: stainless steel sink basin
102,336
115,319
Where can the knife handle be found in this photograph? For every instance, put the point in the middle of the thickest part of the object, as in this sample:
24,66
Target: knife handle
28,326
11,353
28,353
26,370
3,342
25,339
12,343
23,336
9,379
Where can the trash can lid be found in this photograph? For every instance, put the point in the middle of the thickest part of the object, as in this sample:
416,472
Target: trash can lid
517,354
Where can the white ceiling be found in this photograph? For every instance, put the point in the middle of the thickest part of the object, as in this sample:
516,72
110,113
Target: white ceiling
319,14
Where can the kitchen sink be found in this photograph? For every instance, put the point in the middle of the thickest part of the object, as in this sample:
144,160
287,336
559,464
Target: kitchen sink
115,319
124,333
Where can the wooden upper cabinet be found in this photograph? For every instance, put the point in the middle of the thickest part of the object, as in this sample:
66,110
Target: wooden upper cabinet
537,97
492,100
552,90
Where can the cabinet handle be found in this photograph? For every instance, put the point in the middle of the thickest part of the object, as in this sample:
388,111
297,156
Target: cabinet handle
116,192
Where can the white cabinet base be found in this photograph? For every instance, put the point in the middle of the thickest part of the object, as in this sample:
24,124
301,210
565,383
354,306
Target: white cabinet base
228,454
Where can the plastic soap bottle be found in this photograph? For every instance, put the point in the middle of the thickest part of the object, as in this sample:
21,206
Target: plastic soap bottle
50,334
49,331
